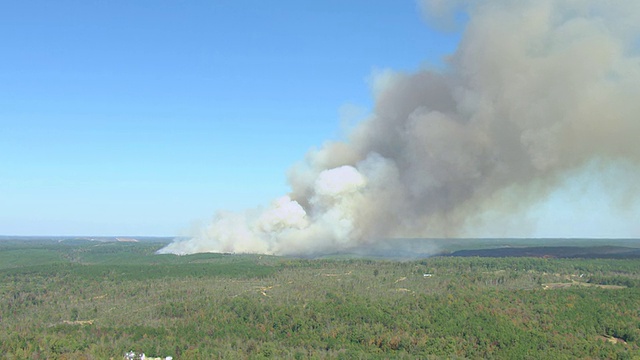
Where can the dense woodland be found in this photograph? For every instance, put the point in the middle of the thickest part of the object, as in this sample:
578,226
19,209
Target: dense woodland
94,300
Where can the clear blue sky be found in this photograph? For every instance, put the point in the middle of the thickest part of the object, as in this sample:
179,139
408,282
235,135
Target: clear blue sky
139,117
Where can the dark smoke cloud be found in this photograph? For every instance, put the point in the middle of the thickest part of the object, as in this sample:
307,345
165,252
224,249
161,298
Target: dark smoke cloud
536,91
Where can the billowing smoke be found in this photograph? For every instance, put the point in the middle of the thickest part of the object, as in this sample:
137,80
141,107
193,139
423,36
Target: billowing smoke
537,90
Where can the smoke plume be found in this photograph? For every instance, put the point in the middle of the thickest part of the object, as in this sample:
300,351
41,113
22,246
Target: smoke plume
536,91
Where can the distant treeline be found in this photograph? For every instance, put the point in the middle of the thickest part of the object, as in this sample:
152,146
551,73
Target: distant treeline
591,252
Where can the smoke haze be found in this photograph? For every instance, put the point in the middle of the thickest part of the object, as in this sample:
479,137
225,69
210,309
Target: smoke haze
538,91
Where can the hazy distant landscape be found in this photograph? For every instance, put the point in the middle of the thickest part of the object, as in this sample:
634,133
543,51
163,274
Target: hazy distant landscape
97,298
418,248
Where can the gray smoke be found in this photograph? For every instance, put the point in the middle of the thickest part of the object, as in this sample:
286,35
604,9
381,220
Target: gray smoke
536,91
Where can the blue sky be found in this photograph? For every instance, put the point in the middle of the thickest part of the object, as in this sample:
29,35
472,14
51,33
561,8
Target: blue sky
141,117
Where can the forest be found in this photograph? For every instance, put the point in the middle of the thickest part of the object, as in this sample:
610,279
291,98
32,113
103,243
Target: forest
82,299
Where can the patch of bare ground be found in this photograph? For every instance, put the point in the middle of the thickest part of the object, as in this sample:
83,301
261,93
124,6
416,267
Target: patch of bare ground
611,339
552,286
403,290
78,322
263,289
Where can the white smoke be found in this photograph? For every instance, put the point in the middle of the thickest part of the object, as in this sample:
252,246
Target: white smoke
537,90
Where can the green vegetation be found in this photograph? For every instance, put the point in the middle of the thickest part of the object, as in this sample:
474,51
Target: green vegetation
88,300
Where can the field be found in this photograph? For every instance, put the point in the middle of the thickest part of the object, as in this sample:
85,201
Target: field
80,299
